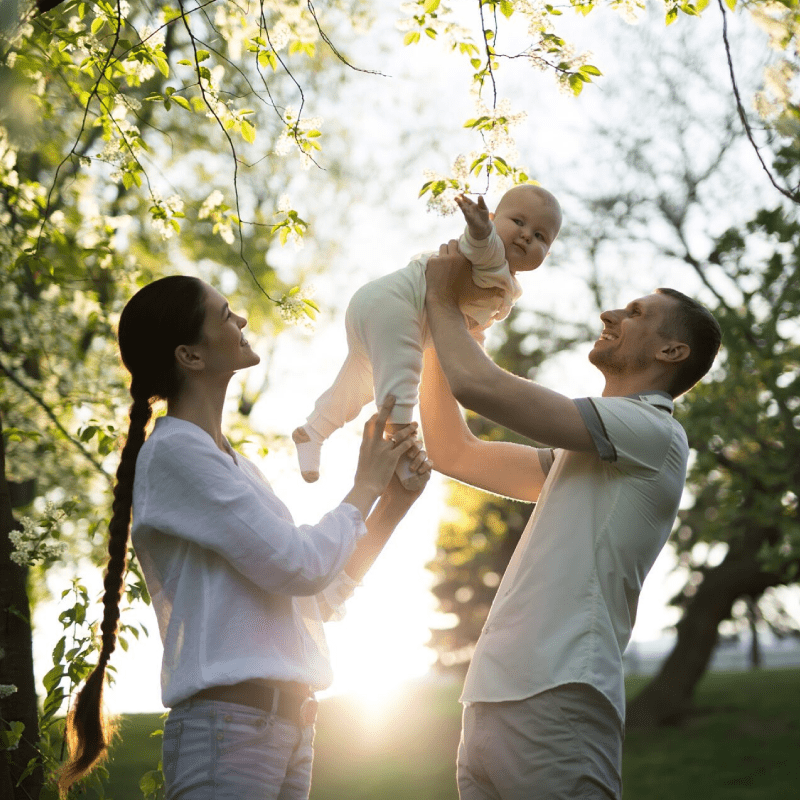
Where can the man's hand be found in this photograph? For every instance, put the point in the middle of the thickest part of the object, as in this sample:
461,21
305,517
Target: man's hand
477,216
448,277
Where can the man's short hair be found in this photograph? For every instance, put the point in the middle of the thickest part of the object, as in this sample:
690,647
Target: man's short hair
693,324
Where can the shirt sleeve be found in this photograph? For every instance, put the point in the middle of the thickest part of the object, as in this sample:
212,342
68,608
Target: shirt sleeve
626,431
194,492
331,600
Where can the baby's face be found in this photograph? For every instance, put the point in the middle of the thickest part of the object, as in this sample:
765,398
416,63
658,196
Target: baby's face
528,221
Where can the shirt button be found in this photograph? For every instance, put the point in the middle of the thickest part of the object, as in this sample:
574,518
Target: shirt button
219,737
228,718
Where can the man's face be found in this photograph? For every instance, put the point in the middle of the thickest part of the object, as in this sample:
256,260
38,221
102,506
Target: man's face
630,339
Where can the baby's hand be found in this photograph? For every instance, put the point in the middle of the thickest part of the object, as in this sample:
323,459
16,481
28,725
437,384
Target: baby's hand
476,215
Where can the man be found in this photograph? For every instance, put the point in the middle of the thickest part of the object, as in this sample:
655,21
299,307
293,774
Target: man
544,696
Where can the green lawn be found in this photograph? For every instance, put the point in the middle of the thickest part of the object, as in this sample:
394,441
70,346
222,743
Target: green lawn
743,743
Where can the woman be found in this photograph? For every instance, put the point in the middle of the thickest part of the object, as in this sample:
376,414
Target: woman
240,592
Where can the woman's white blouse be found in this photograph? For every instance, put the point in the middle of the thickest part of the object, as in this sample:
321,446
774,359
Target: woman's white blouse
239,590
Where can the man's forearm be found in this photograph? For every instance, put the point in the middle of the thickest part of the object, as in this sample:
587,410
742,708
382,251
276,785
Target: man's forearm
443,426
463,362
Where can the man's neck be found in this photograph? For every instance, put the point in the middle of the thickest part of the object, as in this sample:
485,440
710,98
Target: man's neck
621,386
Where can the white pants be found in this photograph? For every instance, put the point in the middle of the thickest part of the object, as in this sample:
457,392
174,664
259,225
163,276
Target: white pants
387,332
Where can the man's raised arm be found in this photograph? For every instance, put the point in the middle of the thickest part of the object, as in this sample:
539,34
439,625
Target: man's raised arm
478,383
505,468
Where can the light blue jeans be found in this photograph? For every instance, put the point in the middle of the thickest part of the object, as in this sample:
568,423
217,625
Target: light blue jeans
225,751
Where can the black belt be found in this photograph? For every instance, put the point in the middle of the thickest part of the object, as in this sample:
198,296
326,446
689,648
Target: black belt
296,704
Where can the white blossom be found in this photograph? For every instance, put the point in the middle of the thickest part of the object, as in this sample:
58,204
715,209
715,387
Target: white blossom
212,202
279,35
29,543
6,690
292,307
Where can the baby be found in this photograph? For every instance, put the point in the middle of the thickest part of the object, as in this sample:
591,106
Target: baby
387,327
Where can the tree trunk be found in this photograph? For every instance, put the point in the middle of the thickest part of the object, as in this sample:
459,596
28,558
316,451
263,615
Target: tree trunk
755,647
16,665
667,698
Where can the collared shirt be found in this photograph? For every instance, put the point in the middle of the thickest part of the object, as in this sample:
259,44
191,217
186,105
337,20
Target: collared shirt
239,590
567,602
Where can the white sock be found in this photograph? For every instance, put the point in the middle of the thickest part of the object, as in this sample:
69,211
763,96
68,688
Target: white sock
410,480
308,454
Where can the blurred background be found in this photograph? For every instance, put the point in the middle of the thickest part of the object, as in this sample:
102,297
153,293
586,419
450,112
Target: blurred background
273,147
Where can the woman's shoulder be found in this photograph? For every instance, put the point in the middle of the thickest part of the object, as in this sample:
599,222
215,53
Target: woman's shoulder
175,440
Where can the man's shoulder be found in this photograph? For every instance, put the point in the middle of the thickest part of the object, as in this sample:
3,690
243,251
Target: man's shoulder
634,424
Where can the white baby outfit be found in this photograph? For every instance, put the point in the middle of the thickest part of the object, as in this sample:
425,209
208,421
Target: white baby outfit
387,331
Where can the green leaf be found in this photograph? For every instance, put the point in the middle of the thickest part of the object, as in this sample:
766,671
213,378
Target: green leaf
181,101
58,650
248,132
202,55
9,739
97,23
266,58
53,678
506,8
412,37
430,6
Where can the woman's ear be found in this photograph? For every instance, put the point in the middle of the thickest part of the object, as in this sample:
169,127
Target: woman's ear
189,358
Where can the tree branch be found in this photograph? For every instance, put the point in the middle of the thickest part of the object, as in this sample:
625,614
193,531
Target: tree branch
54,419
793,196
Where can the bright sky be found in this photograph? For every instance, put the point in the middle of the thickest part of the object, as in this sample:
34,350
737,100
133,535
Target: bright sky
382,640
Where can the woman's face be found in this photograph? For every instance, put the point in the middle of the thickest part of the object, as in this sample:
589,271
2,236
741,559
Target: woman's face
225,347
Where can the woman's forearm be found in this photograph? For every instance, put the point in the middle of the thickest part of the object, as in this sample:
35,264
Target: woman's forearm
381,524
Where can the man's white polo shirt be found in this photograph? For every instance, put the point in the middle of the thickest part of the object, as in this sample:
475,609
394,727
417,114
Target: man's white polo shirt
565,608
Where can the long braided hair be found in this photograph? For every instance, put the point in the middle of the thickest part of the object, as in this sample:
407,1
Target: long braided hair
161,316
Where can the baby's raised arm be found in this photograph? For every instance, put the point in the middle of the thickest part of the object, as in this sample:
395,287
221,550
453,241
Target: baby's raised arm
477,216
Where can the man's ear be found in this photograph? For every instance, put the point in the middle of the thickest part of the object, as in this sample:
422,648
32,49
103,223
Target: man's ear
673,352
189,358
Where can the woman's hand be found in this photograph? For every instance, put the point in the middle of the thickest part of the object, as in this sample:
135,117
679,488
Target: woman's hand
390,509
378,457
396,499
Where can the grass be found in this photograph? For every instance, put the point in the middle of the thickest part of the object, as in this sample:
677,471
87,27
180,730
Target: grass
742,743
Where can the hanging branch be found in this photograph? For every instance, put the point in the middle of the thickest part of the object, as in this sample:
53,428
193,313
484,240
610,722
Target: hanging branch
324,37
793,196
211,108
54,419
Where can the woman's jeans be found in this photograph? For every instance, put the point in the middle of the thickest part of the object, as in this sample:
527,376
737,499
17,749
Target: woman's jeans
225,751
